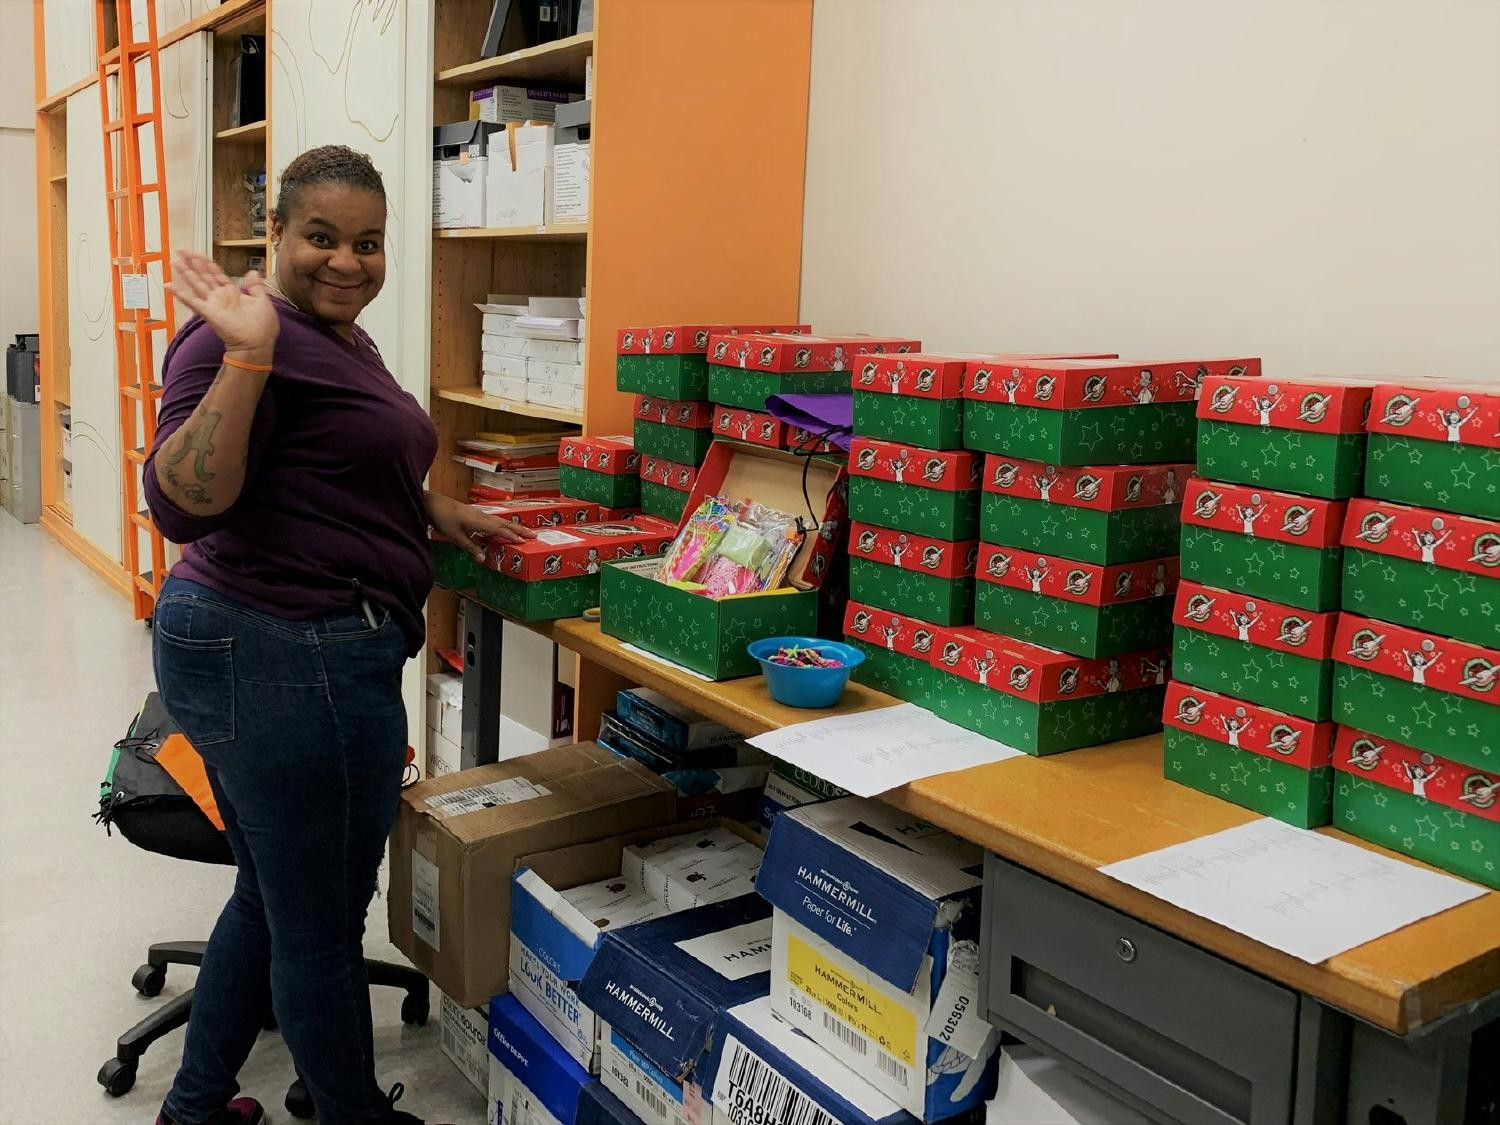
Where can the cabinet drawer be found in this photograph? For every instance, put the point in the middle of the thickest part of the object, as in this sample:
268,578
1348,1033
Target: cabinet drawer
1180,1033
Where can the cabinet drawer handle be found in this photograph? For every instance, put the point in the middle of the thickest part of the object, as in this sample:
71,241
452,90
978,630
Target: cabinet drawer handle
1125,948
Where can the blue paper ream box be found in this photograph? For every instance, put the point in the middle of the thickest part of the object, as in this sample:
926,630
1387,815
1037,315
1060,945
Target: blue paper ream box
599,1107
529,1069
670,723
727,768
663,984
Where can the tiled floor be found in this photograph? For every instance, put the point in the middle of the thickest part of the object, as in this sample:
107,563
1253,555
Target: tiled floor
78,909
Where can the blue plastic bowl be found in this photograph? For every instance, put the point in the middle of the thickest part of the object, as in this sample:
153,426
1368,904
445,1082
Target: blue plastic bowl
805,687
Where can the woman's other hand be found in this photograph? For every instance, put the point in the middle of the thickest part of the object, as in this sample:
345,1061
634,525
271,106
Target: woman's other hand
245,320
462,523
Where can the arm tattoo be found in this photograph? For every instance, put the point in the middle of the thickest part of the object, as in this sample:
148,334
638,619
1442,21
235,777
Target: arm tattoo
198,440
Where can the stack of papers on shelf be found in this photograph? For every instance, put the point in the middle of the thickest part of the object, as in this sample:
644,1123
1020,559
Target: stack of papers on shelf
531,349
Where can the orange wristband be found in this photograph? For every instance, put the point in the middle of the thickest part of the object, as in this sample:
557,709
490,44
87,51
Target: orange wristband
261,368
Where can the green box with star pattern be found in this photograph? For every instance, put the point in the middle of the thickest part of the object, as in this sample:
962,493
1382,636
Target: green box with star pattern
746,370
1419,804
1424,568
1259,650
1266,544
1041,701
686,445
452,566
1305,436
897,651
1265,760
709,635
930,492
913,399
671,360
1436,446
1102,514
612,490
915,575
1428,691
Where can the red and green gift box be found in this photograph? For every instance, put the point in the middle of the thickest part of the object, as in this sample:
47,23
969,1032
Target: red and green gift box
1078,607
1268,544
1429,807
1101,514
665,487
1431,692
1262,651
676,429
800,440
915,398
1436,446
1297,436
1265,760
746,370
557,573
671,360
928,491
1041,701
730,423
1424,568
918,575
601,470
1089,412
897,649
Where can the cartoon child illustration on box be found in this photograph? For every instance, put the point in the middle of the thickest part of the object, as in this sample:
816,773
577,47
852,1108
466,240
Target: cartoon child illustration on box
839,358
895,375
1264,404
742,354
899,548
1146,394
1169,488
1421,659
744,427
647,339
585,455
983,665
1244,620
1249,513
1455,420
1112,677
1429,541
1235,725
1419,774
1009,384
1036,573
899,463
591,563
1284,740
1044,482
890,631
1480,674
1159,580
998,565
1154,670
1193,382
1005,474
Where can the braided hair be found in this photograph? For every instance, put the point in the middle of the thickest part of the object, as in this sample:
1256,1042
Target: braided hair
326,164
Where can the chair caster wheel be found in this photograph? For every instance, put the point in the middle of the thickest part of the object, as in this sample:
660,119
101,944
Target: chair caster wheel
298,1101
117,1077
150,979
415,1009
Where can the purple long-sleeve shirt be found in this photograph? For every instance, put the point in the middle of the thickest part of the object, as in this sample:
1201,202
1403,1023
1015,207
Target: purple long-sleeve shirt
333,480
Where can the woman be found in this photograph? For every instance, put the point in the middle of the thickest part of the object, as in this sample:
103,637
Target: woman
290,463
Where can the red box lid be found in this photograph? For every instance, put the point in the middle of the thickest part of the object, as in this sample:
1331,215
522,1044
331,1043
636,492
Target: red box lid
580,549
1039,674
1263,623
1248,726
1459,415
686,339
1104,488
787,354
615,454
689,414
1074,383
1085,583
1453,667
919,374
551,512
798,440
1397,766
748,425
945,470
1262,514
1312,405
940,558
659,470
896,632
1424,535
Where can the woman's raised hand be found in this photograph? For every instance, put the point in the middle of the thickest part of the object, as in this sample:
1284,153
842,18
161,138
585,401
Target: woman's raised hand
245,320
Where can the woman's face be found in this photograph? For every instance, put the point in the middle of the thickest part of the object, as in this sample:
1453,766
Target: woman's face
330,256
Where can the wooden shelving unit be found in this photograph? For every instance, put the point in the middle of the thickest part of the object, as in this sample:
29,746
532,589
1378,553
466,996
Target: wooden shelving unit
552,232
560,63
239,150
253,133
57,386
474,396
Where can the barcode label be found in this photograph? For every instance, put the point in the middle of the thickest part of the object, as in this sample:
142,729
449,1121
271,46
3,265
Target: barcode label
450,1041
476,797
846,1034
752,1093
652,1100
426,922
892,1068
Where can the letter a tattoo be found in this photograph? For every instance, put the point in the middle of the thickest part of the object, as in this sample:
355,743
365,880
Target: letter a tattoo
197,440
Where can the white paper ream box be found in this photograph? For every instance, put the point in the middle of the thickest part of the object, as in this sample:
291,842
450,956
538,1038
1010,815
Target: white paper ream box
501,311
696,869
570,183
458,838
443,756
536,696
532,1080
459,162
520,177
464,1034
557,351
503,386
503,343
510,366
560,395
550,371
445,703
876,950
505,103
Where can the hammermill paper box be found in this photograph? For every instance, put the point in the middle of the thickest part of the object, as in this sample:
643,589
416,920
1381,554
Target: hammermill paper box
875,950
458,837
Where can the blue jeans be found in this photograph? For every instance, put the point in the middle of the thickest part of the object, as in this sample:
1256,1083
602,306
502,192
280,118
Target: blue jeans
303,731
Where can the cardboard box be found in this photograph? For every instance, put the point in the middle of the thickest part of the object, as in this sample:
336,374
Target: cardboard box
459,165
671,360
664,501
538,696
553,351
601,469
1429,692
453,567
1424,568
915,575
518,187
717,781
709,635
1266,544
898,652
751,426
926,491
457,840
664,984
680,728
1276,764
1428,807
1090,412
599,1107
875,950
445,704
676,430
746,370
571,182
442,756
1435,446
1042,701
1303,436
503,103
1077,607
646,1090
1262,651
1103,514
531,1079
464,1034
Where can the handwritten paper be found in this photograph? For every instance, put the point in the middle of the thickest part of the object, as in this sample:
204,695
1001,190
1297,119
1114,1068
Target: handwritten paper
871,751
1309,895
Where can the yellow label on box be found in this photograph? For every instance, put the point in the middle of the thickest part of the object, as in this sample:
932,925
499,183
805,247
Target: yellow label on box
863,1006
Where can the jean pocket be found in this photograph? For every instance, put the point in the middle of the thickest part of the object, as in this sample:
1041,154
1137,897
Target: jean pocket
196,681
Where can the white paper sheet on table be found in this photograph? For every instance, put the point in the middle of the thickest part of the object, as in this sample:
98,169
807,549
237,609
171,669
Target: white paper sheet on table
1309,895
869,752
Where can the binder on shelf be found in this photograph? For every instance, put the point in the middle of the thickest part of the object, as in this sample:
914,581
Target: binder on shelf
495,35
247,78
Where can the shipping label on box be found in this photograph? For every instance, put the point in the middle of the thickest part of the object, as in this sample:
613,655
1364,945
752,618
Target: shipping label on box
581,549
749,425
532,1079
1406,800
1435,446
1248,726
1424,568
645,1088
465,1040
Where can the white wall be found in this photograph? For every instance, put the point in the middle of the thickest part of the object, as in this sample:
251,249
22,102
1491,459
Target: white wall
18,272
1316,182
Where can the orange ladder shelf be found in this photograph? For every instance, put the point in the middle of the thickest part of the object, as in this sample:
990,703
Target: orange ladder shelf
130,258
